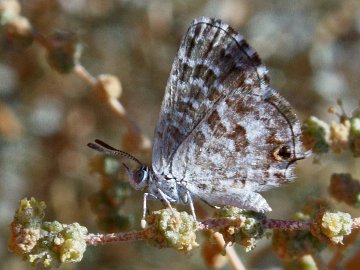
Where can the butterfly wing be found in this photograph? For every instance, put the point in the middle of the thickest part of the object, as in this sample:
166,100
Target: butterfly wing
223,133
212,61
246,140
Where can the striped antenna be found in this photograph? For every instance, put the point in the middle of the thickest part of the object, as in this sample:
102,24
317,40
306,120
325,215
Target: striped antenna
102,147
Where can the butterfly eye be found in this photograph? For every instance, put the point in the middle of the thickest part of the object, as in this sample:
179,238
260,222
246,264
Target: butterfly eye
140,175
282,153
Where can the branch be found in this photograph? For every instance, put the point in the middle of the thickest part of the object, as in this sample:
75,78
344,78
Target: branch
35,239
101,239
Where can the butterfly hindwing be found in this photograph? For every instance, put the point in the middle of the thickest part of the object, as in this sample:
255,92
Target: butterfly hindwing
245,142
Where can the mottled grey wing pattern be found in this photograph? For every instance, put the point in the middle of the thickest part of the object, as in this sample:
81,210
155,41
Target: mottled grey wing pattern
223,133
247,141
212,61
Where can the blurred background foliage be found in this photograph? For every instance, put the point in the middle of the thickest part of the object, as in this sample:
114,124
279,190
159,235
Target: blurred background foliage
312,50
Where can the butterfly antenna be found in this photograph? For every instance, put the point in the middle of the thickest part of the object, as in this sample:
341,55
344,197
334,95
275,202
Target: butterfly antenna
102,147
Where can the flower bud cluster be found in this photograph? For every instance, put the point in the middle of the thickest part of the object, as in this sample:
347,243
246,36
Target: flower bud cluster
320,137
345,189
173,229
19,29
46,243
245,227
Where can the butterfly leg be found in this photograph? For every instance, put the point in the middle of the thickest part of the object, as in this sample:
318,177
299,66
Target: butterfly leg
164,199
213,206
144,205
146,197
191,204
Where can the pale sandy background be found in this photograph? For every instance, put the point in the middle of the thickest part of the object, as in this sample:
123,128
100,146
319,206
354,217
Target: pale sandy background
312,49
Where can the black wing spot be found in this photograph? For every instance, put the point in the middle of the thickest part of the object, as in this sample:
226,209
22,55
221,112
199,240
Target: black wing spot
282,153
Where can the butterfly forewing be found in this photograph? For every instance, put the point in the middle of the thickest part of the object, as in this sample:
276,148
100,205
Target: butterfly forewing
212,61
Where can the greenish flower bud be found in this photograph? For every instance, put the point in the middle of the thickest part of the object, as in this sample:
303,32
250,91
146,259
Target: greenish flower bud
336,225
316,135
173,229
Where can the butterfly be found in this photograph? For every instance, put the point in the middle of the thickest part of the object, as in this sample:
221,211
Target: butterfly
223,133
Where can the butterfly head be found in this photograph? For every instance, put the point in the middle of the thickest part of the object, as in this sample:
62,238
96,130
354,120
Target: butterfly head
138,178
